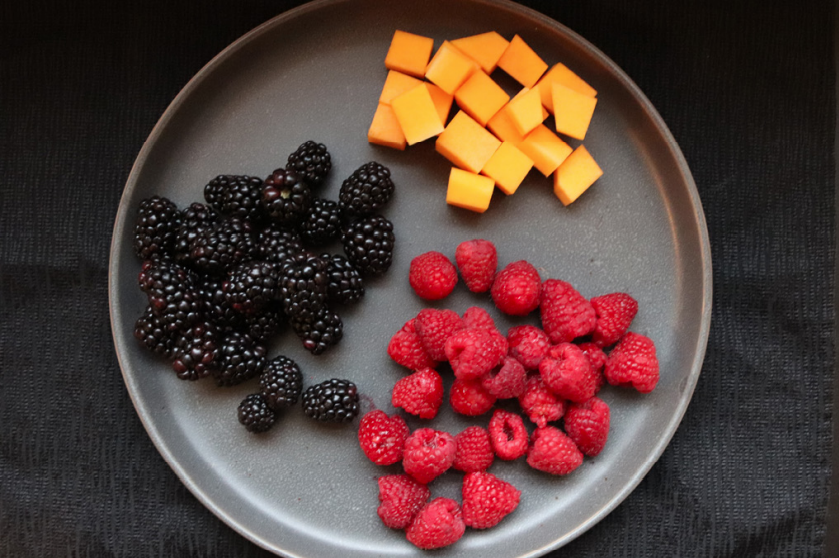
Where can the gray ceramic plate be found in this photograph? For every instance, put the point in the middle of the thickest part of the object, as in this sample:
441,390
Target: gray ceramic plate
305,489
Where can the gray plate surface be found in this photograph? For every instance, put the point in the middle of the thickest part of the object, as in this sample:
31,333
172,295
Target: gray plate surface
305,489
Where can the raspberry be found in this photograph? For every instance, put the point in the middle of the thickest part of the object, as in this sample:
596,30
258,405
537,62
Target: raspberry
553,452
474,450
472,353
475,316
528,344
439,523
587,424
382,437
516,289
539,404
468,397
566,315
401,498
597,358
406,349
508,435
614,314
428,453
507,381
633,362
434,327
487,500
432,276
419,394
477,261
567,372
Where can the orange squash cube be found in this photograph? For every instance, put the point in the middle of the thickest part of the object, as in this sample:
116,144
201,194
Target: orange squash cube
469,190
481,97
526,111
561,74
507,167
409,53
466,143
575,175
485,49
397,83
450,68
442,101
572,111
522,63
502,126
417,115
385,129
545,149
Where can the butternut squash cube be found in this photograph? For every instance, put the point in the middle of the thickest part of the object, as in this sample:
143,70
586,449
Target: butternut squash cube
442,101
524,91
507,167
397,83
575,175
502,126
522,63
545,149
385,129
572,111
481,97
466,143
526,111
417,115
450,68
561,74
409,53
485,49
469,190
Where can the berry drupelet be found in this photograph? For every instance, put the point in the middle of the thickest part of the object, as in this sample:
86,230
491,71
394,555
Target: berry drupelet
345,284
286,197
368,244
321,224
311,161
157,224
255,414
331,401
366,191
281,383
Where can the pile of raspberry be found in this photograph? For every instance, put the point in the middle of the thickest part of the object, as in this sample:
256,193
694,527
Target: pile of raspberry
554,372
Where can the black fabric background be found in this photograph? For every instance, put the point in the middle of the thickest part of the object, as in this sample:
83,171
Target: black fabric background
748,92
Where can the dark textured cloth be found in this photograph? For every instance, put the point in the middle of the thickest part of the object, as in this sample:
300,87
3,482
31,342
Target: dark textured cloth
747,89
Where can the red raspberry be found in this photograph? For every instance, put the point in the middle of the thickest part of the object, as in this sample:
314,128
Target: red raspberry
382,437
439,523
566,315
539,404
428,453
597,358
477,261
401,498
432,276
474,450
633,362
553,452
419,394
508,435
487,500
434,327
473,352
614,314
506,381
567,372
406,349
475,316
468,397
528,344
587,424
516,289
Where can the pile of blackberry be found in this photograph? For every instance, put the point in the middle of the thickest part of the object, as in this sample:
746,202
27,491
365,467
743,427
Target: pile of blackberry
225,277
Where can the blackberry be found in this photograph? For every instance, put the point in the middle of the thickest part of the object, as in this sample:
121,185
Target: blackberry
240,359
236,196
157,224
266,323
196,352
172,292
331,401
251,286
303,286
318,332
311,161
368,244
286,197
195,219
228,243
278,245
345,284
366,191
216,307
255,414
321,224
152,332
281,383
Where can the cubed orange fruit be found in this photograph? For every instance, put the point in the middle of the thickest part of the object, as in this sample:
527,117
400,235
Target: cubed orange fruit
572,111
417,115
524,91
575,175
522,63
385,129
466,143
561,74
481,97
397,83
502,126
450,68
409,53
526,111
545,149
507,167
485,49
442,101
469,190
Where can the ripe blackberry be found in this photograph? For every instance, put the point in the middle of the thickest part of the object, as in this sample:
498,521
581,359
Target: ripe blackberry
195,219
266,323
157,224
216,307
331,401
366,191
303,286
281,383
251,286
286,197
278,245
345,284
196,351
172,292
318,331
311,161
321,224
368,244
152,332
236,196
228,243
255,414
239,359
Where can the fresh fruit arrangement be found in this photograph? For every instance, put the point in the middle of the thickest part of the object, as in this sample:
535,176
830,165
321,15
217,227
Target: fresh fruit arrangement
495,139
225,277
